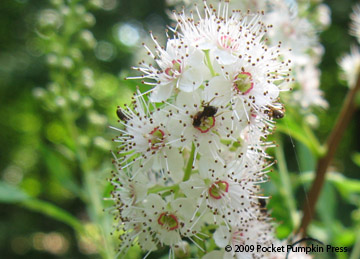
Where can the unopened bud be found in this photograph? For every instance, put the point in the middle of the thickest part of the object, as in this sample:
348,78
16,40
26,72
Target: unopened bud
182,250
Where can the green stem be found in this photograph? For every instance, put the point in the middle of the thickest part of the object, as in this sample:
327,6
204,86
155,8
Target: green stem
157,189
286,183
208,62
189,165
94,200
356,251
50,210
200,243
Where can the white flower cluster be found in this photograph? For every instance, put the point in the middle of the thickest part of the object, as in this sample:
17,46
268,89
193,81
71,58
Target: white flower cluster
192,151
297,25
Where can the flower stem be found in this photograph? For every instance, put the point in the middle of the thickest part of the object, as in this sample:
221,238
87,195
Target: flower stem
157,189
356,251
91,187
189,165
201,247
208,62
323,163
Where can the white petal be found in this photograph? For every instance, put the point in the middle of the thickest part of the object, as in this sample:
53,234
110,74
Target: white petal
187,99
176,164
146,243
192,187
218,91
225,57
154,201
196,58
184,207
190,80
169,237
222,236
162,92
208,166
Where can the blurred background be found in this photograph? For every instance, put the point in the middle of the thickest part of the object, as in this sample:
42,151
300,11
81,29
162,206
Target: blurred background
62,69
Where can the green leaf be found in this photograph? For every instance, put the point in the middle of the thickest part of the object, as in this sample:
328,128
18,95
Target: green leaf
306,159
54,212
326,205
12,194
356,158
345,186
301,132
60,171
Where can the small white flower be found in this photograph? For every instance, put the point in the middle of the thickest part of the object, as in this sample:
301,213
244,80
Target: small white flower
247,232
195,121
216,192
179,66
309,93
355,22
350,64
225,36
156,222
146,139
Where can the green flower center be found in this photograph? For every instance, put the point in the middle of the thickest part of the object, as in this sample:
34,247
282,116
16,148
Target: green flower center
157,137
206,124
175,69
168,221
217,189
243,82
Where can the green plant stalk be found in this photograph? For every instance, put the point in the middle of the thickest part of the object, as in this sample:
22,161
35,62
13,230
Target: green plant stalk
93,200
189,165
157,189
200,243
286,183
92,197
355,254
208,63
49,209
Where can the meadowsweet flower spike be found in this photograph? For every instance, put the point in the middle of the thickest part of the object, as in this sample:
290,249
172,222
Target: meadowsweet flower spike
192,153
350,65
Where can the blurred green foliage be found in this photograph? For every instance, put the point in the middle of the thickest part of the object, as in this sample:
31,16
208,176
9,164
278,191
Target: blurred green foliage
62,65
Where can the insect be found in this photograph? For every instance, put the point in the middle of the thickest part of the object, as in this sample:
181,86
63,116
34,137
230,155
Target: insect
208,111
262,205
121,115
275,112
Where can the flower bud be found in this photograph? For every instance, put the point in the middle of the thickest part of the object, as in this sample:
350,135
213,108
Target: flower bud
182,250
52,59
89,19
39,93
67,63
87,102
87,38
